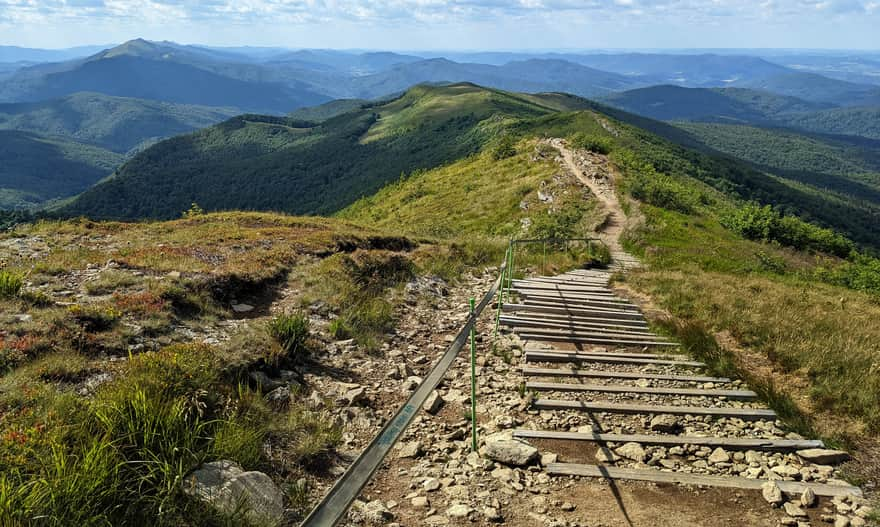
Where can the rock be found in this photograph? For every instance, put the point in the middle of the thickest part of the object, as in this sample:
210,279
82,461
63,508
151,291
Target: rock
603,455
227,488
22,318
264,381
492,515
376,513
354,397
719,455
794,510
823,456
279,397
420,502
504,449
459,510
665,423
856,521
808,498
567,507
411,383
772,493
431,484
786,471
410,450
242,308
632,451
433,403
841,521
548,458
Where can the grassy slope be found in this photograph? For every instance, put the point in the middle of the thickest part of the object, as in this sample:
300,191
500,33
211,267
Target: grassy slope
34,169
266,163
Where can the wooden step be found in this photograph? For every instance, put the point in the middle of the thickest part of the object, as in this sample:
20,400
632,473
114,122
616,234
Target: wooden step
621,388
622,335
553,317
561,356
747,414
605,341
569,280
602,374
597,294
532,348
549,324
728,443
584,313
568,300
574,288
563,304
794,488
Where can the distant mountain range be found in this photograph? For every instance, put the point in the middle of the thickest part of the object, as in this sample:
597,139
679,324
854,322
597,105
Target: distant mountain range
119,100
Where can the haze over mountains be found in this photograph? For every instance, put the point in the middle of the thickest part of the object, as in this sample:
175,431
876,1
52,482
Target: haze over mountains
108,104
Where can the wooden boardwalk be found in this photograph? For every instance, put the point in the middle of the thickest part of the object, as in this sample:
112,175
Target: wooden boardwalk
615,365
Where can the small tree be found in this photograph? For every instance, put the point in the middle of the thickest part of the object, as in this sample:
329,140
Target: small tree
194,211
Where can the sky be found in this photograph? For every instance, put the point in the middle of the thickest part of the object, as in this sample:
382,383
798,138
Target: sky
448,24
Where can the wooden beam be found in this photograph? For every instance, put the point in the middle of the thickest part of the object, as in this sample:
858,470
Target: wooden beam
794,488
585,313
560,332
747,414
564,304
568,300
621,388
578,320
602,374
560,287
550,324
607,341
729,443
535,349
547,356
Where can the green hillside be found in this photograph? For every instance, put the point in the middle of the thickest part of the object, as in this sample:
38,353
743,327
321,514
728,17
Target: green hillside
115,123
850,167
268,163
35,169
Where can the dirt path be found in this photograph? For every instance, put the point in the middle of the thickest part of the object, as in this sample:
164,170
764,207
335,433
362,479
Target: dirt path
593,170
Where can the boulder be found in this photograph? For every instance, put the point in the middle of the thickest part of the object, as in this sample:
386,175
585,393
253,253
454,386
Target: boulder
376,513
632,451
410,450
772,493
228,489
808,498
459,510
665,423
823,456
279,397
794,510
504,449
719,455
433,403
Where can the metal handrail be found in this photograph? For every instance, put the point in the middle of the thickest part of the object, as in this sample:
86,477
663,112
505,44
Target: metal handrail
333,507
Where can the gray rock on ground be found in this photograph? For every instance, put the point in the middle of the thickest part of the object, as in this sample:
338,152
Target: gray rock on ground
504,449
823,456
227,488
632,451
433,403
772,493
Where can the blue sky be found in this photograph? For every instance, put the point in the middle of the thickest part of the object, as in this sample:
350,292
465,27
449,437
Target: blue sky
448,24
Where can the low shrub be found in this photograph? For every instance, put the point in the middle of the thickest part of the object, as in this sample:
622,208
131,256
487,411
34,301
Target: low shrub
291,332
755,222
505,147
10,284
594,143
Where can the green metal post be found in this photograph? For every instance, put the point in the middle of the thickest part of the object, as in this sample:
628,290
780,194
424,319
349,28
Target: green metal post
501,291
510,272
543,257
473,380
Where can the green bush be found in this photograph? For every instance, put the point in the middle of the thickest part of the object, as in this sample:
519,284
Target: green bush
861,273
338,330
504,148
593,143
291,332
558,224
755,222
10,284
663,191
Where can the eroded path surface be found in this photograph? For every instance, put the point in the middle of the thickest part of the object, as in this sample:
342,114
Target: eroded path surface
577,383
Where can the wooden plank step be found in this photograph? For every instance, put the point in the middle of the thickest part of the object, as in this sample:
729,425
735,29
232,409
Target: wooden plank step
728,443
520,284
605,341
567,300
590,333
553,317
605,328
620,388
537,349
747,414
555,356
562,310
794,488
595,294
530,371
565,304
569,280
